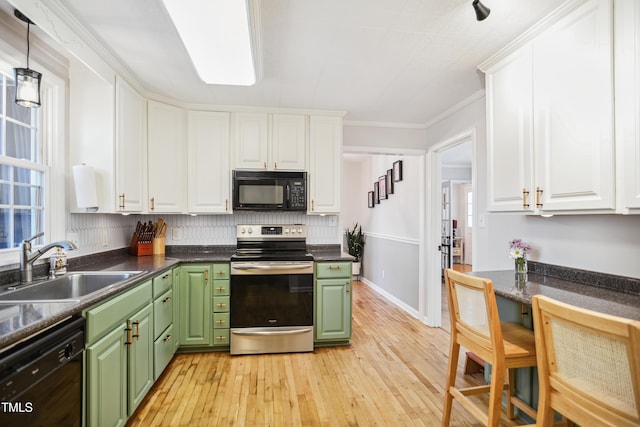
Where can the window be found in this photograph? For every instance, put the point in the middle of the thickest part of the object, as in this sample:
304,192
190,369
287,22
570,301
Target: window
22,171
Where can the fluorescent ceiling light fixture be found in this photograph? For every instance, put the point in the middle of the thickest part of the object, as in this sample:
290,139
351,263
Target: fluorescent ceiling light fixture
217,35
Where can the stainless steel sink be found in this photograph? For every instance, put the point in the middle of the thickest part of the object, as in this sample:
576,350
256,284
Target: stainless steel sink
68,288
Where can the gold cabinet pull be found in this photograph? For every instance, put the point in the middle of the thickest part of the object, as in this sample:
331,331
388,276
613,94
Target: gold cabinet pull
226,205
167,338
153,203
206,276
221,338
348,286
334,267
166,276
525,196
220,289
275,165
220,273
265,165
220,321
137,334
121,197
129,331
221,305
313,205
166,300
538,197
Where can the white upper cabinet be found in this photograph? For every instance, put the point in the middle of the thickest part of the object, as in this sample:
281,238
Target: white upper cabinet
209,189
130,148
627,95
509,133
289,142
270,142
166,158
325,165
550,118
573,110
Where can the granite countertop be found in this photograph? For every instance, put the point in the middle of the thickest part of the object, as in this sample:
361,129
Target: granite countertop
20,321
581,295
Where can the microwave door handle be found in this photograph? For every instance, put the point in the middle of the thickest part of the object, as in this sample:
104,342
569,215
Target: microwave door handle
288,201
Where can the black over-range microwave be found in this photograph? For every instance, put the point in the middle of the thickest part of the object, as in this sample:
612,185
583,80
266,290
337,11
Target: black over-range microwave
269,191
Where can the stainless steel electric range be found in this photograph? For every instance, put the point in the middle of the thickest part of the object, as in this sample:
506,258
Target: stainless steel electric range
271,290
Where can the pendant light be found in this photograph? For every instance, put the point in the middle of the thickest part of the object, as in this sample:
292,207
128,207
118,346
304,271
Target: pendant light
27,80
482,11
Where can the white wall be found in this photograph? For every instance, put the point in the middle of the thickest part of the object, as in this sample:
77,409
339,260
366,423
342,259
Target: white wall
383,136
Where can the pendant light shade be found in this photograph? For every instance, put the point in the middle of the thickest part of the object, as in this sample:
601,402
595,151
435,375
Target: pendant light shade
27,87
27,80
482,11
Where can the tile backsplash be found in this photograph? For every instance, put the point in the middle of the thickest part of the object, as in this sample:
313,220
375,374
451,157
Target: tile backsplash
100,232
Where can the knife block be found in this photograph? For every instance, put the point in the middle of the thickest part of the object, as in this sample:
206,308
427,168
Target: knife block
139,248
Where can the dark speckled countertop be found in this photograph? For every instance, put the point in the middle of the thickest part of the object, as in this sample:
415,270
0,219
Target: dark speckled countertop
20,321
590,297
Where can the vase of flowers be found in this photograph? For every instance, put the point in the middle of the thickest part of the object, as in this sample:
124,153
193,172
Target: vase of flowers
518,252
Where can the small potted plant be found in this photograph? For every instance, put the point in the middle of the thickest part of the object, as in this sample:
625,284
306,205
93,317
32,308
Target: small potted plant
355,246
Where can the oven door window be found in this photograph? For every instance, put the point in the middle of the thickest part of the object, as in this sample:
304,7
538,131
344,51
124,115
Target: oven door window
271,300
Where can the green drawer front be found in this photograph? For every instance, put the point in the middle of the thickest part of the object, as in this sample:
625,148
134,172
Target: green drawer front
107,315
163,350
220,304
220,287
220,271
221,320
220,337
331,270
162,312
162,282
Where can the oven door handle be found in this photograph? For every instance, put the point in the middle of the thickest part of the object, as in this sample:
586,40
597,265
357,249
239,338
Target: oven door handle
270,267
291,332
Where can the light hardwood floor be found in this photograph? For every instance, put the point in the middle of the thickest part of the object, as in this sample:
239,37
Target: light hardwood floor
393,374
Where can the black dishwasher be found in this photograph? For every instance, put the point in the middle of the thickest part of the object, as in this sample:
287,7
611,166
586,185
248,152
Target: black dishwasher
41,378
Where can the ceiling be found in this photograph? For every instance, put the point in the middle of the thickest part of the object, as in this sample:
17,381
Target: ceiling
391,61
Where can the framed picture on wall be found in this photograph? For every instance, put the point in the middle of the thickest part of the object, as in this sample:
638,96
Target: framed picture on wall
382,183
371,203
376,192
390,181
397,171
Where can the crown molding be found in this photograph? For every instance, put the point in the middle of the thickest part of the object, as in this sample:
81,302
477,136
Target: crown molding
455,108
396,125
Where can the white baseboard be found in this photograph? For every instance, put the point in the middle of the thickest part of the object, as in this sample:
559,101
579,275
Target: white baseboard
395,301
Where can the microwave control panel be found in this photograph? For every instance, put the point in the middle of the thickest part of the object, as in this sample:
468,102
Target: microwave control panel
297,195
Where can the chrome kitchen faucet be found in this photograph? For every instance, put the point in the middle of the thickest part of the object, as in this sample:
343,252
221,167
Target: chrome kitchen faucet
27,258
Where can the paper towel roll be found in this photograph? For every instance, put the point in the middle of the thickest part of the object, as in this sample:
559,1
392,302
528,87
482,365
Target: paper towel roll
84,177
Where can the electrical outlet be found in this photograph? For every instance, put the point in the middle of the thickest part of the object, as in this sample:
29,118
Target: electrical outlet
176,234
73,238
482,220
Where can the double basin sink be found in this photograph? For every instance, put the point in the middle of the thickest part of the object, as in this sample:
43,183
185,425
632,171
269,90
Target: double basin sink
72,287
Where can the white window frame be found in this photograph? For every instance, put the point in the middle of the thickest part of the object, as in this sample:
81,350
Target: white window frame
51,137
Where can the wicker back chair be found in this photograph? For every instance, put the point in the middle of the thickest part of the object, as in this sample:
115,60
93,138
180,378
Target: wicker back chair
588,365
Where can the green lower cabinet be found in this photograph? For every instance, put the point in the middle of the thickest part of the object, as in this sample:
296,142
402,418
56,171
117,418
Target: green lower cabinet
140,357
195,305
107,386
163,350
332,302
176,308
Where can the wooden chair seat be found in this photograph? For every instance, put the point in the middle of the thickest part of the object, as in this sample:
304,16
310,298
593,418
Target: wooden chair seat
475,325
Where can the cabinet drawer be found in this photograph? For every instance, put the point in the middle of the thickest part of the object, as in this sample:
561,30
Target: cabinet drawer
220,337
162,283
163,350
105,316
220,271
221,320
162,312
220,304
329,270
220,287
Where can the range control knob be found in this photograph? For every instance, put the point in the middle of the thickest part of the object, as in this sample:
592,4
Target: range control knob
242,230
250,231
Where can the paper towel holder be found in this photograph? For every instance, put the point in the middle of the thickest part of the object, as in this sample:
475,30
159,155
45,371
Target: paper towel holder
84,177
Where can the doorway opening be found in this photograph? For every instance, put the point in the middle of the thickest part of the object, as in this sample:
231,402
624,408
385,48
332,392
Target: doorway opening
450,218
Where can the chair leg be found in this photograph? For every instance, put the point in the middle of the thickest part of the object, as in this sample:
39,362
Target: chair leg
495,396
454,354
511,381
